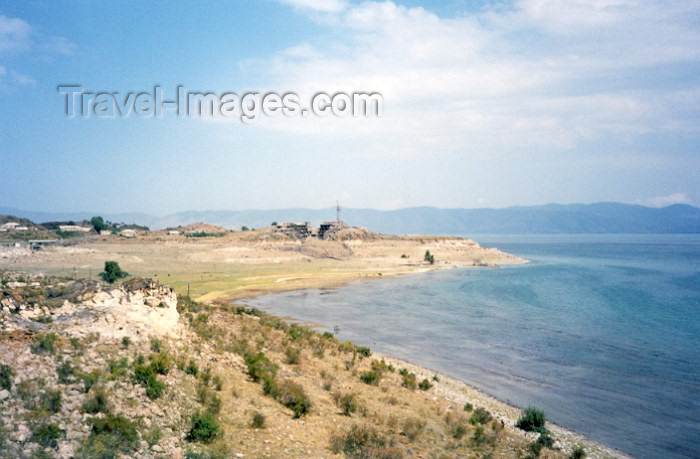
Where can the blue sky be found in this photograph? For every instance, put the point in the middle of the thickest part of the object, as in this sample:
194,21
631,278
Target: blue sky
486,104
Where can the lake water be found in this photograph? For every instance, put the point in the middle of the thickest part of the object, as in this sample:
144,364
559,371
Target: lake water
601,331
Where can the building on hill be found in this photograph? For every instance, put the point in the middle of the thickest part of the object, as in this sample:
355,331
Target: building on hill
74,228
9,226
299,230
328,228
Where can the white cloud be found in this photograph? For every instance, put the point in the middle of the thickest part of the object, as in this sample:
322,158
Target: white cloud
663,201
323,6
14,34
540,74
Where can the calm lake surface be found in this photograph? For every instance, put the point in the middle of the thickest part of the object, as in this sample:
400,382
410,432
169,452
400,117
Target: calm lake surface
601,331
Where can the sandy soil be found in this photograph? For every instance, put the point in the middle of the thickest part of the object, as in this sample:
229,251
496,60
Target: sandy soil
240,265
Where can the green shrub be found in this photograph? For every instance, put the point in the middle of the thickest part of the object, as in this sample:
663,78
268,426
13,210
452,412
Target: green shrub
292,395
381,367
50,401
205,376
363,441
346,402
425,385
112,272
260,367
146,376
370,377
161,363
47,435
110,436
191,368
546,440
363,351
577,453
532,420
45,344
89,379
480,416
468,407
258,421
409,380
126,341
153,436
429,257
117,368
217,382
97,404
6,374
154,388
412,427
293,355
204,428
65,373
156,345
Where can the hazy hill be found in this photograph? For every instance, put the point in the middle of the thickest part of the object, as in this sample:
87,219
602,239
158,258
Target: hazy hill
546,219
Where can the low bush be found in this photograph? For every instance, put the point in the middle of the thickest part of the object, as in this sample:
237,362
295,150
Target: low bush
293,355
97,404
577,453
258,421
425,385
6,374
292,395
412,427
161,363
89,379
126,342
468,407
217,382
364,441
409,380
50,401
146,376
204,428
260,368
45,344
370,377
191,368
118,367
363,351
156,344
110,436
532,420
65,373
480,416
47,435
347,402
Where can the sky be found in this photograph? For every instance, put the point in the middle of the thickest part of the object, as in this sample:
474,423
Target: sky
485,104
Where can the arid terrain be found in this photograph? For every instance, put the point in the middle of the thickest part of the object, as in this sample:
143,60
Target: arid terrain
240,264
132,370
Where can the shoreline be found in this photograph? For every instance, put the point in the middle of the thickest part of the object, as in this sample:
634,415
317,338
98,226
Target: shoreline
453,388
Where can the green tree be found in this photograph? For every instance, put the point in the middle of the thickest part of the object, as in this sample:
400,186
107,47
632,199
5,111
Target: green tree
429,257
112,272
98,223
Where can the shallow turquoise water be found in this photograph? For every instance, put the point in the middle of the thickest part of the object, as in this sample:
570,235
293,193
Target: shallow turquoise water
602,332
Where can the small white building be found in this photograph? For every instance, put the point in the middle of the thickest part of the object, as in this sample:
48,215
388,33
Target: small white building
173,233
128,233
74,228
21,228
9,226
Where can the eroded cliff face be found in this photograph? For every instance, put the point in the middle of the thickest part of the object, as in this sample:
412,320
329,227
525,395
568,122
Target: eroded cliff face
138,309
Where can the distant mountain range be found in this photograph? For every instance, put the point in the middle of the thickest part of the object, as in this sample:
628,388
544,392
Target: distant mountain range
547,219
